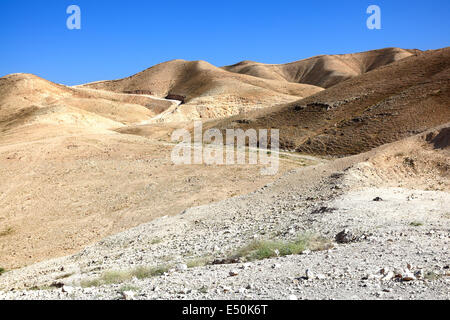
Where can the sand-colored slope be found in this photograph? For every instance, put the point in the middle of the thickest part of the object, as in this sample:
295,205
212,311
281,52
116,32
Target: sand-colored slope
63,188
323,71
418,162
26,99
378,107
209,92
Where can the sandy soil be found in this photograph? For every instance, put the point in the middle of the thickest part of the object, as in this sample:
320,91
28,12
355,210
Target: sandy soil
62,191
398,248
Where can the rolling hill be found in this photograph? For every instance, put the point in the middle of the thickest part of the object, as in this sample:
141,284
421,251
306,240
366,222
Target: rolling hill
389,103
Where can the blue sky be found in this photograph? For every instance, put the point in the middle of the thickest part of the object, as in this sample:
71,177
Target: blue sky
120,38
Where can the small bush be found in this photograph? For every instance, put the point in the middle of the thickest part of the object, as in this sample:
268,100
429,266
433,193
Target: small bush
148,272
90,283
2,270
265,249
431,275
198,262
203,290
114,277
111,277
416,224
156,241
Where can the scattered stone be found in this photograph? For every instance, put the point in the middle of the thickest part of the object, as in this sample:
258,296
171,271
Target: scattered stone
408,276
377,199
276,266
128,295
234,273
246,266
345,236
322,210
181,267
388,276
309,274
292,297
226,289
67,289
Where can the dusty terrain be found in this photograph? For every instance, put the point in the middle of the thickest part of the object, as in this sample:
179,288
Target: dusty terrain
61,191
208,91
92,206
393,201
389,103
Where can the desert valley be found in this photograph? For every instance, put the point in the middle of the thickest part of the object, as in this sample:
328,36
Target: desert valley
92,206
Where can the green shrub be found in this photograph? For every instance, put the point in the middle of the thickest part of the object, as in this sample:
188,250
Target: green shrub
114,277
198,262
265,249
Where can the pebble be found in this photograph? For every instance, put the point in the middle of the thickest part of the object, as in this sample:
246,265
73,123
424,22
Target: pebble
128,295
234,273
181,267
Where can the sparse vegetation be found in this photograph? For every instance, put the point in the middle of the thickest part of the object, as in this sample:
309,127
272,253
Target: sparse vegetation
90,283
198,262
431,275
2,271
416,224
148,272
264,249
203,290
112,277
156,241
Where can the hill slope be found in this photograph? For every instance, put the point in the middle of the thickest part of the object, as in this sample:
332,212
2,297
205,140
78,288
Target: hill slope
208,91
26,99
378,107
326,70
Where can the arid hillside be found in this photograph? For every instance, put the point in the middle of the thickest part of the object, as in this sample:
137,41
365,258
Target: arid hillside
26,99
68,179
381,106
391,203
326,70
81,163
205,90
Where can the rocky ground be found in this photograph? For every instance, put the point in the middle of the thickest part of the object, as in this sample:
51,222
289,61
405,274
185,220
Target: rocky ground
382,241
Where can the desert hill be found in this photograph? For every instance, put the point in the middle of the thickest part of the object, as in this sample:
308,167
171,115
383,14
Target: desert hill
381,106
325,70
73,170
27,99
206,91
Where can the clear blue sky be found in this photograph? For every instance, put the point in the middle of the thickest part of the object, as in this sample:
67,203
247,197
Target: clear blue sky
120,38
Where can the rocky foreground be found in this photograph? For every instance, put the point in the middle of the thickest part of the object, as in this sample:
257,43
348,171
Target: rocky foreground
378,226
